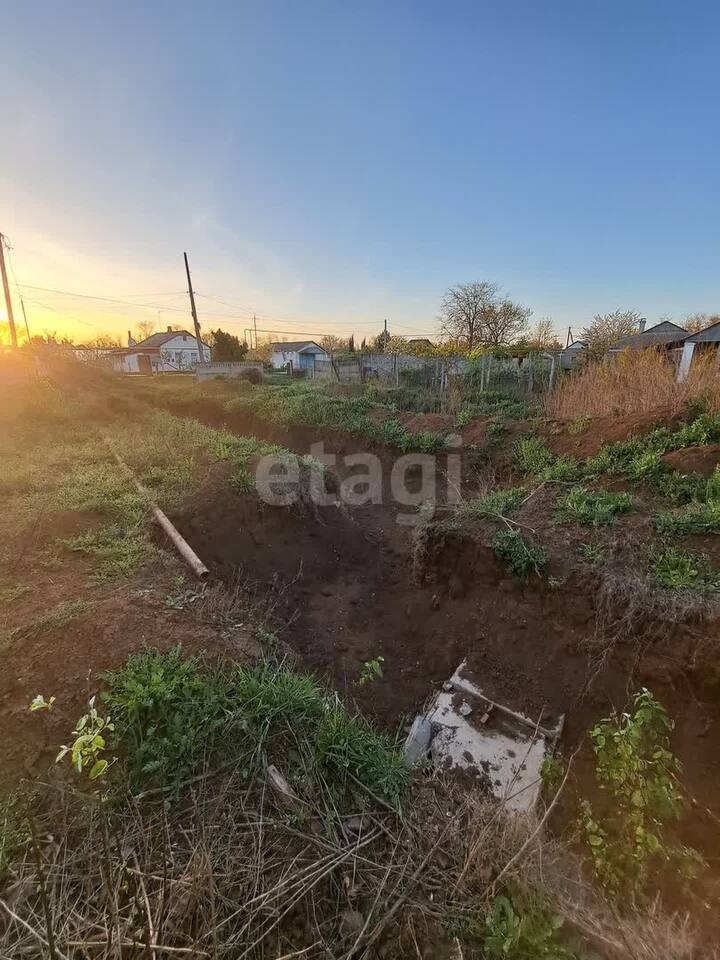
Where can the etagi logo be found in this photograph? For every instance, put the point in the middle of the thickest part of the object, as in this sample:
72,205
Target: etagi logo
415,479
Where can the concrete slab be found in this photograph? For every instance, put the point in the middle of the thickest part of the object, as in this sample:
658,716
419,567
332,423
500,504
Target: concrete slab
501,747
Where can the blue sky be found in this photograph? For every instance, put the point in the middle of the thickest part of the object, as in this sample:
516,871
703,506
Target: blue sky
335,163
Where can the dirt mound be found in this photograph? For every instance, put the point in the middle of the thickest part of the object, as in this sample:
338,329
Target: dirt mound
599,431
430,422
702,460
476,431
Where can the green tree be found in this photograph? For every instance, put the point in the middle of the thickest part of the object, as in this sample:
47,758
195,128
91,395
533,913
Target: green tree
226,347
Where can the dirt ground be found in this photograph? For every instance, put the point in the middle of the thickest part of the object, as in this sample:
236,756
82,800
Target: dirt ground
358,586
350,586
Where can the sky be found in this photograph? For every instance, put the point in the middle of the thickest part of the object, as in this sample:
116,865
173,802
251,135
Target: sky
330,164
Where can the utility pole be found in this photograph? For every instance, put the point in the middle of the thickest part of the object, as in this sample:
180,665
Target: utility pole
569,339
201,354
27,329
6,288
255,325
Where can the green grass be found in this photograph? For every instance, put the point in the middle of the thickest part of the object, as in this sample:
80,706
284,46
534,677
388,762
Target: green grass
313,405
591,507
501,502
520,557
674,569
175,715
533,457
593,553
119,552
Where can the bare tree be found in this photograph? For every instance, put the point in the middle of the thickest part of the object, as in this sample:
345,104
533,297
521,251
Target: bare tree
104,341
472,314
144,329
695,322
543,336
331,344
607,328
504,322
462,310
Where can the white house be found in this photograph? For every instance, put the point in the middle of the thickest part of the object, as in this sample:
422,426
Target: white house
300,353
170,352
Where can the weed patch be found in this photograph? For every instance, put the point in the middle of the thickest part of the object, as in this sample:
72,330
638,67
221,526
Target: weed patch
175,715
520,557
502,502
674,569
592,507
693,518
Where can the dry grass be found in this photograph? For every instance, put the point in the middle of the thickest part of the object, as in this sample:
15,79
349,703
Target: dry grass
635,382
233,871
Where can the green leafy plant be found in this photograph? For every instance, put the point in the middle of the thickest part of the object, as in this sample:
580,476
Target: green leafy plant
674,569
87,749
521,557
372,670
39,702
532,455
645,465
502,502
169,717
463,418
242,481
552,771
592,507
636,769
694,518
518,929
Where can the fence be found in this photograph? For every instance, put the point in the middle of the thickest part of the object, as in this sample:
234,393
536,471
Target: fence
232,370
521,377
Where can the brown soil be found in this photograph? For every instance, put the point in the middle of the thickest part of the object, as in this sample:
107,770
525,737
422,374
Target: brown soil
64,660
600,430
354,585
702,460
432,422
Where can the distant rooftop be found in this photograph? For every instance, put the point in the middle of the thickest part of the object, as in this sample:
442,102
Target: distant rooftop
664,332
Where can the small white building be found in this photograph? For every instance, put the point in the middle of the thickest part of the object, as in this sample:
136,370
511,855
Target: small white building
300,353
175,351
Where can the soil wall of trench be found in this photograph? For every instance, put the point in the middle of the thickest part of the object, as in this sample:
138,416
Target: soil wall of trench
352,585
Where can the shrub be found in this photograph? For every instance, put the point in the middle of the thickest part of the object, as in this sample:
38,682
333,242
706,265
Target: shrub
251,375
521,558
592,507
518,928
634,765
676,570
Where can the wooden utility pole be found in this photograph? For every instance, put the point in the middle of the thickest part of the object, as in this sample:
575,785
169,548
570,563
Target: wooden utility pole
201,353
6,288
255,325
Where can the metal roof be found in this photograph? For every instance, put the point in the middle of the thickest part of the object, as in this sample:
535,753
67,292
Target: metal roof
158,339
710,334
295,346
662,333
